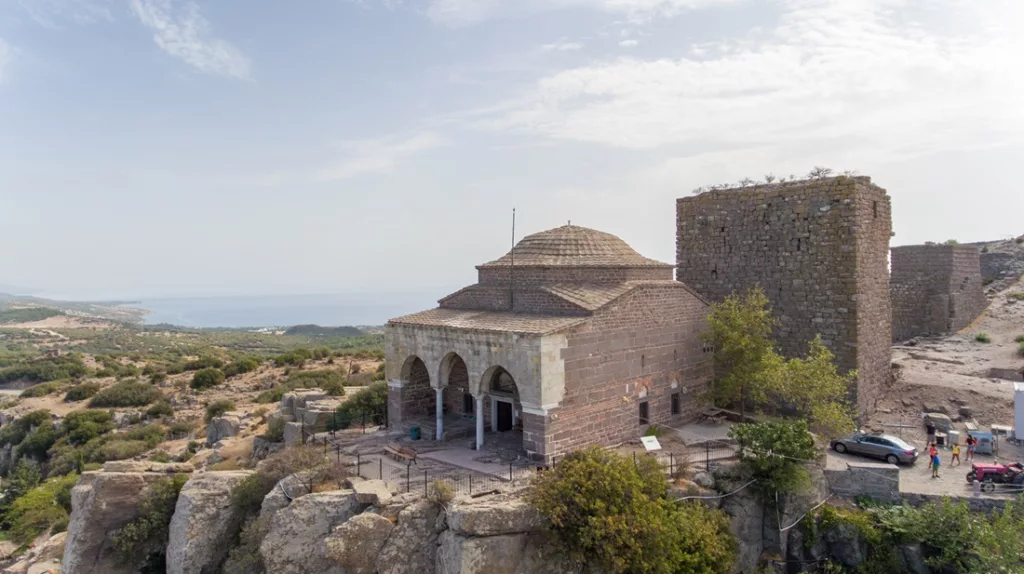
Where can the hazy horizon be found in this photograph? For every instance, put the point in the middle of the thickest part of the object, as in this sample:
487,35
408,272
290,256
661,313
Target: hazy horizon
176,148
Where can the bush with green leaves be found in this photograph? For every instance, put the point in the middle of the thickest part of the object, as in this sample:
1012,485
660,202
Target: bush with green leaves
612,513
43,389
774,453
126,394
151,528
206,379
241,366
82,391
295,358
160,409
218,408
983,338
16,431
201,363
40,370
369,403
40,509
25,476
275,430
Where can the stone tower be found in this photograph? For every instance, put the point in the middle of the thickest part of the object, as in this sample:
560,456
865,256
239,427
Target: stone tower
818,248
935,289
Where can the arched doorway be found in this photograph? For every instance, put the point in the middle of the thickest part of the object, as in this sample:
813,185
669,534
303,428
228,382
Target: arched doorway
505,407
418,397
455,379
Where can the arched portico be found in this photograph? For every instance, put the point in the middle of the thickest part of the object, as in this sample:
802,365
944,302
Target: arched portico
502,392
452,393
416,395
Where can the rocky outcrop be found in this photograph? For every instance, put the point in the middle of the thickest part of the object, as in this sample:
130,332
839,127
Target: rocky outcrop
102,502
222,427
43,558
356,543
294,543
148,466
204,523
412,547
374,492
494,518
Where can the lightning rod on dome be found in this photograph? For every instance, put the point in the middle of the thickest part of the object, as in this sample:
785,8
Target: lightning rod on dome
512,265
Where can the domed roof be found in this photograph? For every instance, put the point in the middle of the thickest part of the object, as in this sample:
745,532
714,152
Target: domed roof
574,246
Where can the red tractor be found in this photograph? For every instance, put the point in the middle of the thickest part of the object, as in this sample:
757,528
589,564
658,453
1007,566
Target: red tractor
992,474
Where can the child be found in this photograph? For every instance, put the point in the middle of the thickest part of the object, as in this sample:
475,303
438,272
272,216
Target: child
971,441
935,466
955,461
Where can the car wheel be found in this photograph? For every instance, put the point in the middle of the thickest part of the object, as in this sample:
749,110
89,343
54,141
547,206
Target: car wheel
971,476
988,486
840,447
892,459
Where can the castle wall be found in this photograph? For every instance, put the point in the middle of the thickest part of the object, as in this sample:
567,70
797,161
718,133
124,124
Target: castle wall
819,250
935,289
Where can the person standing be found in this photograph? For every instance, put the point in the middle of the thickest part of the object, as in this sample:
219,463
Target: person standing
955,460
935,465
971,442
930,427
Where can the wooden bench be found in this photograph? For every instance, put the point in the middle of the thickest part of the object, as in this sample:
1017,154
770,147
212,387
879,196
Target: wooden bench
400,454
712,415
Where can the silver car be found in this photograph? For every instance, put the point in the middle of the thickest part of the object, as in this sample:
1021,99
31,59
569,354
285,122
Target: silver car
891,449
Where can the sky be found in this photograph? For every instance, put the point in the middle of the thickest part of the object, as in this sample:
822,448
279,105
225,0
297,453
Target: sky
156,148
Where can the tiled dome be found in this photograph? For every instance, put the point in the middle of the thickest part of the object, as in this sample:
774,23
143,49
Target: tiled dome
574,246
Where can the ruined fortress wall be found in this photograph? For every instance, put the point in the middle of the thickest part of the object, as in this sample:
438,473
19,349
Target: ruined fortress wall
819,250
935,289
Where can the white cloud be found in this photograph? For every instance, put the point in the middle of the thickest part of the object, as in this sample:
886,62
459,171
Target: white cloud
376,155
49,13
857,74
561,47
182,31
465,12
628,43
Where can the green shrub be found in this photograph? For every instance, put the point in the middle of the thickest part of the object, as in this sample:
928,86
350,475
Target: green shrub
772,453
45,507
82,391
204,363
44,369
157,378
121,450
1018,339
207,378
241,366
27,315
38,441
440,492
218,408
160,456
1020,348
983,338
151,527
17,430
245,557
43,389
608,510
160,409
296,358
126,394
1017,296
332,381
179,428
275,430
370,402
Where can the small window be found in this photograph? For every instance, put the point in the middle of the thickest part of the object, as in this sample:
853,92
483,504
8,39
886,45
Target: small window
643,362
675,403
467,403
874,209
644,417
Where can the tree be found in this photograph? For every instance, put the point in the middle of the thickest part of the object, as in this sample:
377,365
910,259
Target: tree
740,331
773,453
207,378
606,509
816,390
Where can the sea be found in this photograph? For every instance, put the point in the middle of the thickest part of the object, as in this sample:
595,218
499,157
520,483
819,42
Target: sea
282,310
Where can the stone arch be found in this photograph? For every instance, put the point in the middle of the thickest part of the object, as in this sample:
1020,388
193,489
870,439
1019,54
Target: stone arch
503,391
418,397
454,378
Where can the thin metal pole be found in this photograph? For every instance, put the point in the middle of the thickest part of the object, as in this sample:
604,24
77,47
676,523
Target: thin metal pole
512,265
510,472
471,484
424,482
408,476
380,468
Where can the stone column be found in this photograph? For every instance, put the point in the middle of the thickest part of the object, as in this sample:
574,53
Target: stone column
439,409
480,422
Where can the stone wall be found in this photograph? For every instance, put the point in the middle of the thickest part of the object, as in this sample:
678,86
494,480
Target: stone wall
878,481
642,348
935,289
818,249
526,276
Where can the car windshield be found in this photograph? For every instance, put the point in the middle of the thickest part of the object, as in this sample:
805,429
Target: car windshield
899,443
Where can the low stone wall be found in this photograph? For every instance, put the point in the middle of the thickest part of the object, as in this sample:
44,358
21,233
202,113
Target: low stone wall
878,481
975,503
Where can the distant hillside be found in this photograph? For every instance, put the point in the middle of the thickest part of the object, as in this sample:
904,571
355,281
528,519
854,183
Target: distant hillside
109,310
318,331
27,315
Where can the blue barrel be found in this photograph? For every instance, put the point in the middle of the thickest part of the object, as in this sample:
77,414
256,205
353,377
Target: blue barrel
414,433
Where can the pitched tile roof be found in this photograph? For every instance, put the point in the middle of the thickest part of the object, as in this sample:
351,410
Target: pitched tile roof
490,321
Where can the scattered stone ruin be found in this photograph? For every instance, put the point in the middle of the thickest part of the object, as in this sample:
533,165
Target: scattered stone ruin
819,250
935,289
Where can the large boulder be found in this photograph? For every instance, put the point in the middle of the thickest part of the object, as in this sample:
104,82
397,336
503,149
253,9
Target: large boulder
941,421
746,513
42,558
317,414
294,544
500,554
220,428
494,518
412,547
292,433
286,490
374,492
204,524
102,502
356,543
148,466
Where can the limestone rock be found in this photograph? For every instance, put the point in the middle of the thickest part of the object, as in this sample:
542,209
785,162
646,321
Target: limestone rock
492,554
543,555
148,466
845,545
494,518
356,543
287,489
42,558
966,411
704,480
941,421
374,492
220,428
316,414
292,433
204,523
262,448
746,515
412,547
294,544
100,503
